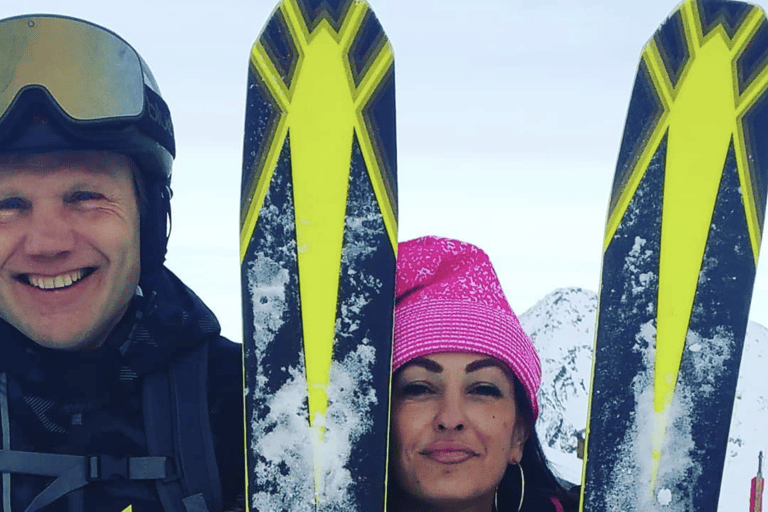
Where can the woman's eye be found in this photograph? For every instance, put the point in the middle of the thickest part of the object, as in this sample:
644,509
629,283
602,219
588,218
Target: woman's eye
485,390
415,389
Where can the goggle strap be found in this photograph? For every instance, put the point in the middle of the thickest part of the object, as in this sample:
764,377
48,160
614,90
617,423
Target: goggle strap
156,120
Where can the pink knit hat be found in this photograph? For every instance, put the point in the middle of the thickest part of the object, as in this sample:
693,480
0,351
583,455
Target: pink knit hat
449,300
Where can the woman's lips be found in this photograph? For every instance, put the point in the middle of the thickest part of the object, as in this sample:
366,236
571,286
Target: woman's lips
448,453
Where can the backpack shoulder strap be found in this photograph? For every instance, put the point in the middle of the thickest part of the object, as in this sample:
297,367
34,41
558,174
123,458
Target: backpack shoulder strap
177,424
5,434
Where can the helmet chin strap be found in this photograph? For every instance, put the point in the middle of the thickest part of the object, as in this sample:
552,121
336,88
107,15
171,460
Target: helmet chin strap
155,229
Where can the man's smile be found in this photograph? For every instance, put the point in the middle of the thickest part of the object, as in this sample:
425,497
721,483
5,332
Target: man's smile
56,282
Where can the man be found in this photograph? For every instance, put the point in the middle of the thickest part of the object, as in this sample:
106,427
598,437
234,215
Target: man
117,392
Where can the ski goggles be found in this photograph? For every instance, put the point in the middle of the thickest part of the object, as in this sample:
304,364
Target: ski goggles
90,73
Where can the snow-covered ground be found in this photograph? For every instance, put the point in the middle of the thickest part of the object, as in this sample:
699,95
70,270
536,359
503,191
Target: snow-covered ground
562,326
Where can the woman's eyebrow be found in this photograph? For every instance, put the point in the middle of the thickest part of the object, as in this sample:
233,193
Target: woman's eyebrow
427,364
483,363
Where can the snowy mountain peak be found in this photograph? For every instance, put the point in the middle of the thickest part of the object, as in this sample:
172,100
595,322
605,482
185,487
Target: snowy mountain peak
569,309
562,327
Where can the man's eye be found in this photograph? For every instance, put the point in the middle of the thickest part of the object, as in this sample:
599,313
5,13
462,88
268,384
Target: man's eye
82,196
12,207
14,203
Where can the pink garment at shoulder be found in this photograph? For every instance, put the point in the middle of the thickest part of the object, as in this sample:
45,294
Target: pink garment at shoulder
557,504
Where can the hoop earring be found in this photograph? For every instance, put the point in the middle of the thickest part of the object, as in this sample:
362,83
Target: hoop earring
522,487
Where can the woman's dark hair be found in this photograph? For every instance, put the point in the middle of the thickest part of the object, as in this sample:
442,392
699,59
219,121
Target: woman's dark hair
540,483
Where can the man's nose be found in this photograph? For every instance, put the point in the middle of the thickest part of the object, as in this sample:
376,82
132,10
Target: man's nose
50,232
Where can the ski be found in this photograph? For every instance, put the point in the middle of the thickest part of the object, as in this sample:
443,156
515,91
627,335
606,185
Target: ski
681,244
318,239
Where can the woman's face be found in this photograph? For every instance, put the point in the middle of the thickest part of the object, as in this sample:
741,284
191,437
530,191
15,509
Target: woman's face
455,428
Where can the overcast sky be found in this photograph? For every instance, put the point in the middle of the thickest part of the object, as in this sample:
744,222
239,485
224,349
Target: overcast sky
510,116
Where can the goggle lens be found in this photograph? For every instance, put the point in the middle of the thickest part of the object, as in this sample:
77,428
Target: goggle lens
89,72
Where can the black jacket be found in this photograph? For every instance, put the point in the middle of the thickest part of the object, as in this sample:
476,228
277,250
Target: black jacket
91,403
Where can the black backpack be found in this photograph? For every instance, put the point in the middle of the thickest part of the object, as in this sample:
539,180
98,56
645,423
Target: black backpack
181,459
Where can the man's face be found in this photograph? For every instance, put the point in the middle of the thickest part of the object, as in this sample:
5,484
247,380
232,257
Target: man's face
69,245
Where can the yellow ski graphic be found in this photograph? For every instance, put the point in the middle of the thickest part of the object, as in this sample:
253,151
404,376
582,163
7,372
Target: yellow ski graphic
322,111
702,116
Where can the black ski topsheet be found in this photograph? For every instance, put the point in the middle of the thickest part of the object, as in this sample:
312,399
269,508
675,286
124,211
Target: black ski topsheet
318,246
681,245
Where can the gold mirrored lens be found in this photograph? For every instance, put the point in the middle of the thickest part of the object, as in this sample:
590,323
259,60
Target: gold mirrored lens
91,73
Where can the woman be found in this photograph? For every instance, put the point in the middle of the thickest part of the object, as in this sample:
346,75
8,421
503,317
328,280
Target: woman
464,390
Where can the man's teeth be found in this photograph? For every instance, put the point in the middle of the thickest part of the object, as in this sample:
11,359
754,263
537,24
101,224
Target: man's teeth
52,283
